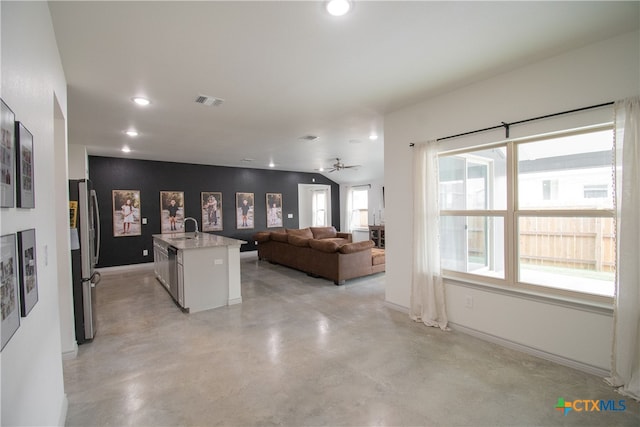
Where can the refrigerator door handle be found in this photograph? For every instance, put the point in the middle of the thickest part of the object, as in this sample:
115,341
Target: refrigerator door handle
95,279
94,198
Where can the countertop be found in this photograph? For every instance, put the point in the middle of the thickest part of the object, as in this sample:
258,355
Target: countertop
193,241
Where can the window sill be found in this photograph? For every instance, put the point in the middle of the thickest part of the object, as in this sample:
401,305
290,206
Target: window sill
603,308
362,229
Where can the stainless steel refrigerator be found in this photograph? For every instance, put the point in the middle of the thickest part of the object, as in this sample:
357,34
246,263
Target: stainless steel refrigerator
85,250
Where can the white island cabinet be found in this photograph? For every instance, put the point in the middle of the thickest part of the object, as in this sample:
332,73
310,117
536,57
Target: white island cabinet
201,271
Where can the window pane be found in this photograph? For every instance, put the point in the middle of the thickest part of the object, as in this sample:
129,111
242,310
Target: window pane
359,206
576,254
473,244
573,172
474,180
360,199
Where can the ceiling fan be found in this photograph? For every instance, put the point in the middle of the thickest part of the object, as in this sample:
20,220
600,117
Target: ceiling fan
338,166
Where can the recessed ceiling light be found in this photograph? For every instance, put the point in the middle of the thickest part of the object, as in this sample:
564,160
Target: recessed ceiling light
338,7
141,101
373,136
321,170
132,133
272,165
126,149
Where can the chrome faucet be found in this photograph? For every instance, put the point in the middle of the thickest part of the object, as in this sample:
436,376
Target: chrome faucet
194,221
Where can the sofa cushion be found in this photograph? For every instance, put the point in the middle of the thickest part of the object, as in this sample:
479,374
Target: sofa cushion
339,240
324,245
350,248
262,236
377,256
302,232
279,236
294,240
323,232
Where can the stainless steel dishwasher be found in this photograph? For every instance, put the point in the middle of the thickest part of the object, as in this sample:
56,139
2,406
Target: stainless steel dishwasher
173,271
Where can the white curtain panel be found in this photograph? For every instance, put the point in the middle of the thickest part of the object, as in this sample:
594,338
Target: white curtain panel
427,290
348,210
625,363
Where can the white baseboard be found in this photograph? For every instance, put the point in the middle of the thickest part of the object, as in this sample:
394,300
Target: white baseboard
397,307
71,354
63,411
594,370
120,268
235,301
249,254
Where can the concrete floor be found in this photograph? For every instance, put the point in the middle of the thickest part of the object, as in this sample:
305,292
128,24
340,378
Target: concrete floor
301,351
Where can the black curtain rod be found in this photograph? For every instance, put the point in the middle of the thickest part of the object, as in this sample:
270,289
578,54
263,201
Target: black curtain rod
506,126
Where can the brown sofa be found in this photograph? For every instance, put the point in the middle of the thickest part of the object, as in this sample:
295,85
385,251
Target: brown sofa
321,252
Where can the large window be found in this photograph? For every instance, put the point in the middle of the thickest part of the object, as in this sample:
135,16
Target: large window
535,212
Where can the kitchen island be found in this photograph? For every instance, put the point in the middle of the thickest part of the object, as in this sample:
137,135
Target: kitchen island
199,270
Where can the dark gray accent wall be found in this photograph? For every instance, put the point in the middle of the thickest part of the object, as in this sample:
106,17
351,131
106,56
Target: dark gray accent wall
151,177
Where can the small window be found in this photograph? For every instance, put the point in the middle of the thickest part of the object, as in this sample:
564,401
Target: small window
600,191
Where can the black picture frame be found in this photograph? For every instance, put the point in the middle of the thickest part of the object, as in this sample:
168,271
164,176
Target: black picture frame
28,270
7,156
9,294
25,193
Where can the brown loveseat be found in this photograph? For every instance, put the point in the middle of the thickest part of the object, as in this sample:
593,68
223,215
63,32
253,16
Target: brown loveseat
320,251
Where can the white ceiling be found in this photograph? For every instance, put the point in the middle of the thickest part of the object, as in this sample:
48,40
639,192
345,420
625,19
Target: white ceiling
287,69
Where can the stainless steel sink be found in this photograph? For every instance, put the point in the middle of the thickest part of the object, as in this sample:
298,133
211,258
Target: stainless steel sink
182,238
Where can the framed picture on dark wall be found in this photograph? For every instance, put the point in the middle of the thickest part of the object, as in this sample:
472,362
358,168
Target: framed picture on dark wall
171,211
8,288
24,167
126,213
7,156
274,210
244,211
211,211
28,270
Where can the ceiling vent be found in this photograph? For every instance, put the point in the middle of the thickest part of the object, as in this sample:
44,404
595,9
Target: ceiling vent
309,138
209,101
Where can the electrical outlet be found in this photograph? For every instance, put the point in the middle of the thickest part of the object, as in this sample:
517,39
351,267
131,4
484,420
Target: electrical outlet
145,252
468,301
289,216
144,220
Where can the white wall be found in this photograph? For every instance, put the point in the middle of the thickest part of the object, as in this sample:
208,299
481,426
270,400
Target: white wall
598,73
32,76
